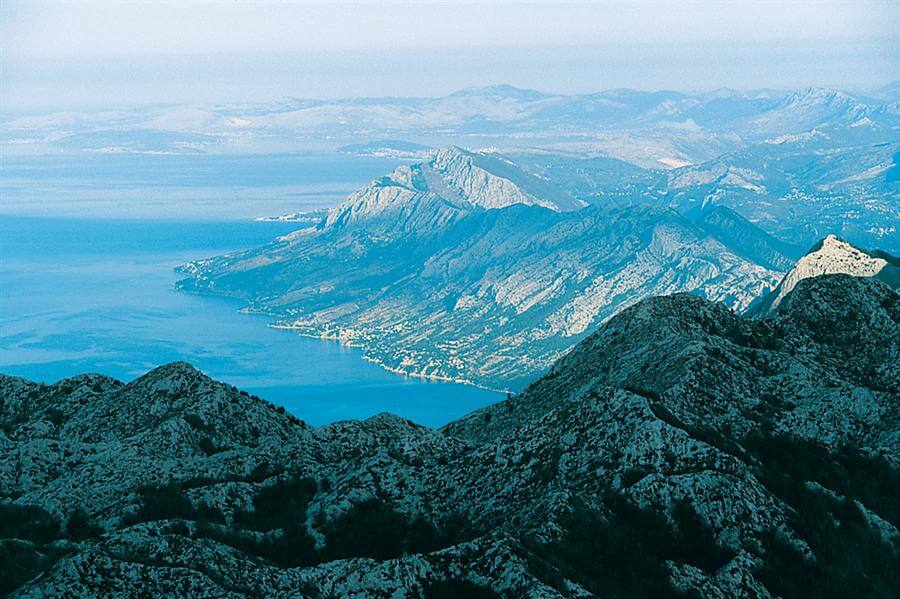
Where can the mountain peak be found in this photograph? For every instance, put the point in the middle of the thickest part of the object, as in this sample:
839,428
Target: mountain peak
490,180
835,301
463,179
173,377
831,255
449,153
811,108
812,95
179,368
831,243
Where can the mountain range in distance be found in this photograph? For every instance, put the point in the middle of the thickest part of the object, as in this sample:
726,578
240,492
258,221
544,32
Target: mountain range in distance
801,164
651,128
486,268
679,450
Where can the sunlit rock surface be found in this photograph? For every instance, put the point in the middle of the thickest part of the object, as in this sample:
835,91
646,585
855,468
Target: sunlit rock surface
469,268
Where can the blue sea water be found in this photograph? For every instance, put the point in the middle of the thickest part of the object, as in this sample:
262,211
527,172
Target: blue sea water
184,186
97,295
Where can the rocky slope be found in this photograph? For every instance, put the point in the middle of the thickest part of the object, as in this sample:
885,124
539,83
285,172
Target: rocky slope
468,268
745,239
461,179
833,255
679,450
796,188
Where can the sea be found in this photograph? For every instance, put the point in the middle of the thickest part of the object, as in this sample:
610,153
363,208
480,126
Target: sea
88,248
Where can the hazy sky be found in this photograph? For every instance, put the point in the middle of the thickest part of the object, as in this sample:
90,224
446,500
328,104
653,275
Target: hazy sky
69,54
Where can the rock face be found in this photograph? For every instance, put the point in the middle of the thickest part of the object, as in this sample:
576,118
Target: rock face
462,179
468,268
833,255
680,449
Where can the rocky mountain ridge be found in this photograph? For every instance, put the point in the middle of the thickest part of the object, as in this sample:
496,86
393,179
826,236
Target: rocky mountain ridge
746,239
680,449
460,179
833,255
469,268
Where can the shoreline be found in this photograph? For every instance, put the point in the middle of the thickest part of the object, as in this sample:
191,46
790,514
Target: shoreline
365,355
374,359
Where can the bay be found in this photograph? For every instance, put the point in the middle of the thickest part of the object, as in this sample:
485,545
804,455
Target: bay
83,289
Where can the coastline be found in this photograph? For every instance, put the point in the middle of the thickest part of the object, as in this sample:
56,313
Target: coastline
347,341
368,357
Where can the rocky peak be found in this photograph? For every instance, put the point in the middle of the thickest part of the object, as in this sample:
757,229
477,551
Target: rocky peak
463,180
490,180
450,154
817,95
831,255
176,372
837,298
173,377
828,102
850,322
809,109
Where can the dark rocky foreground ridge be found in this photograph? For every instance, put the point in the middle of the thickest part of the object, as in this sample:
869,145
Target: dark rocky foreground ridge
680,450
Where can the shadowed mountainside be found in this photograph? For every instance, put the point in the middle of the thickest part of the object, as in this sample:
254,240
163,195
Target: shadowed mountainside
680,449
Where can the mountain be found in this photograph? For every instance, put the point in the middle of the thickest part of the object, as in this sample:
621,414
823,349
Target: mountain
501,91
745,239
796,188
800,188
470,268
887,93
806,109
799,164
678,450
461,179
648,127
833,255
